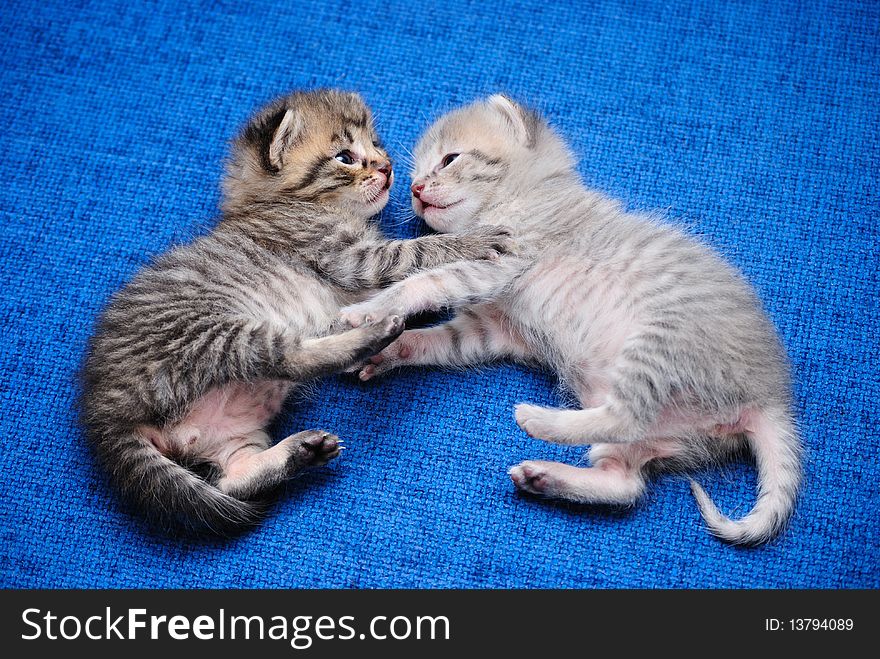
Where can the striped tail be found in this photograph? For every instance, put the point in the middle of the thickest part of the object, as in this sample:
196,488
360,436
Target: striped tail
170,494
774,441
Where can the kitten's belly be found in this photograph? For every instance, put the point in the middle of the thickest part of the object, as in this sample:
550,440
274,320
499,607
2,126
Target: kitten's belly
576,309
234,411
237,409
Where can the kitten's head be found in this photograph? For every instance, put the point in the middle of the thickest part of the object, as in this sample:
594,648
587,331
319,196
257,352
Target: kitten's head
317,146
480,155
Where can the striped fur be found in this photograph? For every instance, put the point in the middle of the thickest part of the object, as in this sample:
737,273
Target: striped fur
196,355
664,345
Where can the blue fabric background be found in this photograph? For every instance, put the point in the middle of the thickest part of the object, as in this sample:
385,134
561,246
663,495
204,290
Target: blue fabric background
754,124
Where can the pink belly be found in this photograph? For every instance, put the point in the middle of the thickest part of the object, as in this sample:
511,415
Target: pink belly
238,408
233,411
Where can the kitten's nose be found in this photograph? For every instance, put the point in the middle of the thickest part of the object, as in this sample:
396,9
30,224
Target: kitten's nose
385,172
417,189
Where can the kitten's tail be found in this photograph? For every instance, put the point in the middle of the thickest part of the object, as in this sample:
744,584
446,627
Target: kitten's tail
170,494
774,440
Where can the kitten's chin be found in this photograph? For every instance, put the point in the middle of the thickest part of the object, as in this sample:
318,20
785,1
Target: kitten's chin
375,204
445,219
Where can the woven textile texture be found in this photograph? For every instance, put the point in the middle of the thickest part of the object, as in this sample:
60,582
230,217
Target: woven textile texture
753,124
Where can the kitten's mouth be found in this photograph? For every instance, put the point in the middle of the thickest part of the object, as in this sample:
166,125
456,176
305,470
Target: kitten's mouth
425,206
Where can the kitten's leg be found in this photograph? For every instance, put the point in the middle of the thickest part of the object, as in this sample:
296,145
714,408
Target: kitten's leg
617,474
376,264
476,335
251,470
609,483
575,427
234,349
624,413
453,285
334,353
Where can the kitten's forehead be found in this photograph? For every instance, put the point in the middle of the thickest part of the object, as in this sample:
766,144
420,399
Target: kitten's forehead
338,113
471,127
335,120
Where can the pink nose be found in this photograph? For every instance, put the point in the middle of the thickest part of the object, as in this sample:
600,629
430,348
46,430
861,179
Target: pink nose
385,172
417,189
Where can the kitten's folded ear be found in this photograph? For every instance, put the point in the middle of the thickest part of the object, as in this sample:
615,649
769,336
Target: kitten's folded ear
290,124
522,122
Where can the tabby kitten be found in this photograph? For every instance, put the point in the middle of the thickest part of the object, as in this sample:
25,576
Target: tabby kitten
196,355
664,345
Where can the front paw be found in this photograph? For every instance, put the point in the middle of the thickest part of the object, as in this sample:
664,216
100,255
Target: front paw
370,370
356,315
371,338
390,358
489,243
375,366
378,334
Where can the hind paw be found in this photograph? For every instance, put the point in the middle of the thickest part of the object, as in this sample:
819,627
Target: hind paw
532,419
532,476
315,448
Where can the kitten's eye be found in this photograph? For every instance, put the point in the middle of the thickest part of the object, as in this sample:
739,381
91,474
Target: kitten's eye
448,158
344,157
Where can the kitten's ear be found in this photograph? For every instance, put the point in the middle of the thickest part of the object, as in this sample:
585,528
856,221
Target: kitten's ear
288,129
522,122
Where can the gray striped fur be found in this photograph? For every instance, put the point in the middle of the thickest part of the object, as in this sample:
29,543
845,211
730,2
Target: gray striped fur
192,359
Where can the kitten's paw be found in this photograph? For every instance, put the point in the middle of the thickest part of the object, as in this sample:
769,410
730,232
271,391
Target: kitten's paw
393,325
314,448
489,243
380,333
353,316
358,315
532,419
375,351
372,368
376,365
532,476
396,354
370,338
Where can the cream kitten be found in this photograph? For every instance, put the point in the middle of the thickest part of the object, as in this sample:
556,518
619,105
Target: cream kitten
664,344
